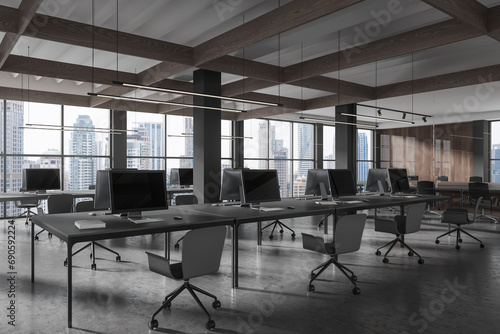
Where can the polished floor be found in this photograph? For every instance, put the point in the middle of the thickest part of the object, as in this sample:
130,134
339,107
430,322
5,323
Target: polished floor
453,292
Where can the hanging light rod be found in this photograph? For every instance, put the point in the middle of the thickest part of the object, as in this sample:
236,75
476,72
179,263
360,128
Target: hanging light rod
63,129
175,91
395,110
223,136
136,99
369,126
79,127
378,118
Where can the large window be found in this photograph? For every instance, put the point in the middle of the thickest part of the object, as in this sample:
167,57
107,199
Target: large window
495,152
365,153
145,141
328,147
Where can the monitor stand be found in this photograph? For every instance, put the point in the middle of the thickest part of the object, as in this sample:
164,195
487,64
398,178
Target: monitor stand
41,192
324,193
380,188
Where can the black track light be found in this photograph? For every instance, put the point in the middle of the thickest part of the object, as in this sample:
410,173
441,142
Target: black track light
404,115
424,119
379,112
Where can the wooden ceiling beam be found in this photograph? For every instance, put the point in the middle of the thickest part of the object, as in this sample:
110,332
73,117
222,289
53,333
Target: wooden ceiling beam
286,17
26,11
494,23
469,12
18,94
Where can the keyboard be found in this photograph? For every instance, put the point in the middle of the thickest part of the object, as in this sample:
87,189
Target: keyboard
146,220
270,209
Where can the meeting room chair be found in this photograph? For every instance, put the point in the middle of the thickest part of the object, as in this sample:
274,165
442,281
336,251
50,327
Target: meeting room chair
459,217
347,238
400,226
87,206
201,255
58,204
427,188
27,205
183,200
475,179
442,178
480,192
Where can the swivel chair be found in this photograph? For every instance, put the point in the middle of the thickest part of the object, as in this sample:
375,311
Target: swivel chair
427,188
479,196
58,204
276,223
85,206
347,238
27,205
459,217
401,225
183,200
201,255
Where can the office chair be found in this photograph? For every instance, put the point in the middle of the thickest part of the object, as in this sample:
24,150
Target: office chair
475,179
276,223
401,225
442,178
347,238
183,200
58,204
27,205
479,196
86,206
459,217
427,188
201,255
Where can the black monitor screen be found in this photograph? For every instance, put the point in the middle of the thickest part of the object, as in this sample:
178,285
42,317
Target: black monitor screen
101,198
181,176
231,183
260,185
137,190
342,182
399,180
374,176
316,179
41,179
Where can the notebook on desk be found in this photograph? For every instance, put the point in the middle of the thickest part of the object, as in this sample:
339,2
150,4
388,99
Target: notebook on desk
88,224
270,209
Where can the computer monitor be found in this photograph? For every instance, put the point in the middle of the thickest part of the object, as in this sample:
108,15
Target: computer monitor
342,182
318,183
399,180
377,180
101,197
134,191
41,179
231,185
259,185
181,176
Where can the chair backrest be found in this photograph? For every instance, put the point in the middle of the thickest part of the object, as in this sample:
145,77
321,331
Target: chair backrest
348,233
442,178
202,251
60,203
475,179
186,199
478,189
84,206
414,217
33,202
426,188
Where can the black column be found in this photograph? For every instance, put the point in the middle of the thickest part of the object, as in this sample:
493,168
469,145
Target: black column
480,150
238,144
318,145
118,143
345,138
207,137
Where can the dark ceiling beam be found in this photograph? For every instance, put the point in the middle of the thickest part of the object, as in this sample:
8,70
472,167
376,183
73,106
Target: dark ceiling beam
25,13
494,23
286,17
18,94
469,12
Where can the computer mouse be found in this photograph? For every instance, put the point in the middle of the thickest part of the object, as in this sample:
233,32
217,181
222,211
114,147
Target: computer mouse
177,217
92,213
290,207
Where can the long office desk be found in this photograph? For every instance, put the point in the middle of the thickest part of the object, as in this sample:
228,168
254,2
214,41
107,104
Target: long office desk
198,216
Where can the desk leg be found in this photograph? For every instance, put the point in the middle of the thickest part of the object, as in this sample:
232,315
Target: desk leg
325,224
235,256
32,253
259,233
402,212
167,245
70,285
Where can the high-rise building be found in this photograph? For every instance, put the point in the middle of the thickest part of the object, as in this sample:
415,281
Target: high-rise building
495,164
279,156
363,164
83,167
189,144
305,148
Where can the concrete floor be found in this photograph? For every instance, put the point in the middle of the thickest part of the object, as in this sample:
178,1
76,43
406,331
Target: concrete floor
453,292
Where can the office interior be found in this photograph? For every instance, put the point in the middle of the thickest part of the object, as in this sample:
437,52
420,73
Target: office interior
420,78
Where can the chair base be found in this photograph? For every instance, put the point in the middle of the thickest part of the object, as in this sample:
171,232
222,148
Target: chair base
322,267
492,218
459,239
92,244
393,243
281,225
153,323
28,214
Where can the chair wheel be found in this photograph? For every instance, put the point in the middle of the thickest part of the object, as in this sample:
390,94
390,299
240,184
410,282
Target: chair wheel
410,253
271,237
293,236
457,247
118,258
93,266
36,238
481,245
420,261
50,235
216,304
460,240
437,242
210,325
153,324
281,231
310,288
65,263
377,253
354,278
385,260
176,246
356,291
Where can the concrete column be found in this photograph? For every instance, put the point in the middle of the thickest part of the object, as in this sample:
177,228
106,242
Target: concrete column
238,144
318,145
345,138
480,150
118,143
